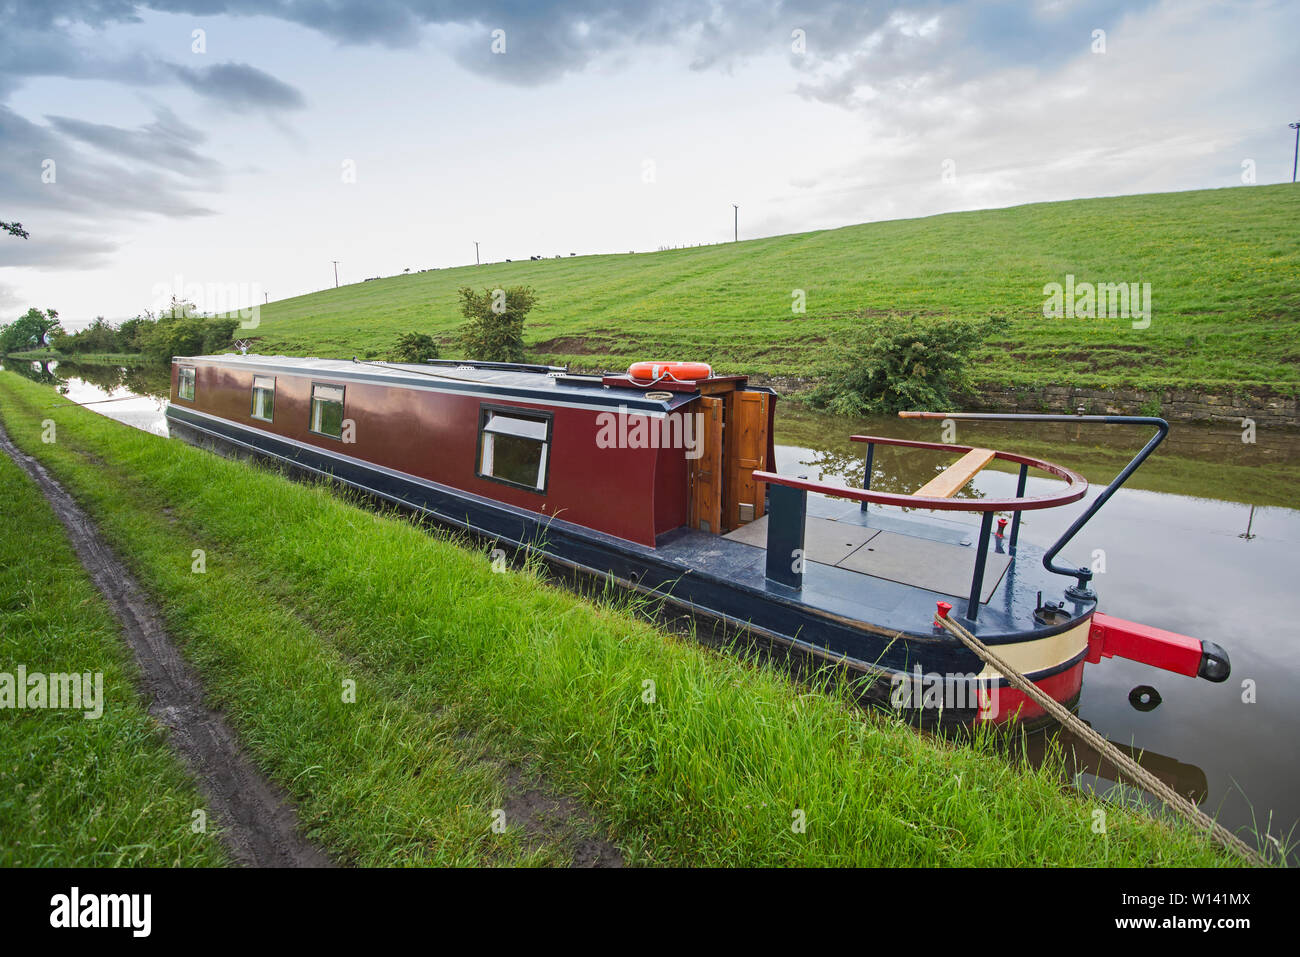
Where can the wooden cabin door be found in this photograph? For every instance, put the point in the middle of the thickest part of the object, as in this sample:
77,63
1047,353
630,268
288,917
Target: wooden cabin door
746,451
705,472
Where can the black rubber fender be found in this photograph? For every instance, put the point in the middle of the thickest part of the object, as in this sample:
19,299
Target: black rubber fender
1215,665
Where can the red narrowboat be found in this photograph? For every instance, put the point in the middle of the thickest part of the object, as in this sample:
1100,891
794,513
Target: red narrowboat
667,484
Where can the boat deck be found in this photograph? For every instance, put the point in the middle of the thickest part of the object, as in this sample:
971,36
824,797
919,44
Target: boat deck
879,566
853,539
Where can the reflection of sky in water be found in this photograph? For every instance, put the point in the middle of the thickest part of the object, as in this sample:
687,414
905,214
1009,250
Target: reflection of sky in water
141,412
1181,564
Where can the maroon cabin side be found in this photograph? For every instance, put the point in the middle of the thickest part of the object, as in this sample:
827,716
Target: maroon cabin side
632,493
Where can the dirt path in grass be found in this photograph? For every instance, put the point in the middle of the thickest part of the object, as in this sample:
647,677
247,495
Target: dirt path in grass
549,817
258,825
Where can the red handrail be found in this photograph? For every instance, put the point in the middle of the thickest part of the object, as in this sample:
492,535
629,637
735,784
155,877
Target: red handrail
1075,489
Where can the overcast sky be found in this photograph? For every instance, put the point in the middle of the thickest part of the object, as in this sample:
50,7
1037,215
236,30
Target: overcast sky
392,134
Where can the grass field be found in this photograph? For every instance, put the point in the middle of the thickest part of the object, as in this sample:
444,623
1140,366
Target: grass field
463,672
1224,269
78,792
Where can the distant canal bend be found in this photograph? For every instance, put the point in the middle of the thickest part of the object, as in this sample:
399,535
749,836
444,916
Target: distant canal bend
1203,542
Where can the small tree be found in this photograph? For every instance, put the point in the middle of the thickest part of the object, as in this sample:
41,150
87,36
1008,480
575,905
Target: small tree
219,333
494,330
896,363
29,330
415,347
131,330
99,336
14,229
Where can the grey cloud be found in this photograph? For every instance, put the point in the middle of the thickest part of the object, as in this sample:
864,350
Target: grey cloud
854,42
9,301
91,181
105,173
60,250
30,48
851,45
238,85
1134,122
550,38
167,142
926,49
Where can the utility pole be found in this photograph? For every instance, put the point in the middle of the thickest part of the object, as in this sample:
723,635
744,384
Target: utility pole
266,297
336,272
476,262
1296,157
736,223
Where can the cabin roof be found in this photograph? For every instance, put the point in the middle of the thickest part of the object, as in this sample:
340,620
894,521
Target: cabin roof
528,383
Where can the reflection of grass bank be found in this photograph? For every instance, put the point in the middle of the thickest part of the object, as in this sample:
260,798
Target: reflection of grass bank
455,664
77,792
142,380
1195,461
108,375
89,358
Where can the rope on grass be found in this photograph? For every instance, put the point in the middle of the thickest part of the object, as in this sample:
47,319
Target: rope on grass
1122,761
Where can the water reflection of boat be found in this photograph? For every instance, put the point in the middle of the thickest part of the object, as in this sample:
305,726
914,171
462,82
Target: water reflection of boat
669,487
1187,779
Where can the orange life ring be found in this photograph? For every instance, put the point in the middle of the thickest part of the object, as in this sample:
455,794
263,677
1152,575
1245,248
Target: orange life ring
681,371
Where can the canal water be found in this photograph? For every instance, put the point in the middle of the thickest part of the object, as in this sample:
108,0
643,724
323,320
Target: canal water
1203,540
137,397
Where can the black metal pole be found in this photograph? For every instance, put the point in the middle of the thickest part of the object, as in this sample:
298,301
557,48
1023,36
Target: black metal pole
866,478
977,580
1083,574
787,513
1015,520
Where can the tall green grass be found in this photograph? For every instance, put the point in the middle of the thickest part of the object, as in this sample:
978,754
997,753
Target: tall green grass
461,669
76,791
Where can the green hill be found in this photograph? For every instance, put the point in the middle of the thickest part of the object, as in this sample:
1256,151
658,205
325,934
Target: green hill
1224,269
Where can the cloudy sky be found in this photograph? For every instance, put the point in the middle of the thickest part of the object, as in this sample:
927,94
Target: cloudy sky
248,143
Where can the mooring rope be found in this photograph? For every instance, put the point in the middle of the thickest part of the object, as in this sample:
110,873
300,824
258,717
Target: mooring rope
1122,761
120,398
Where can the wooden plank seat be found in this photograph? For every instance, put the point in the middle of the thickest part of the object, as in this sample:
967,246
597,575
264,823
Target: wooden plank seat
954,478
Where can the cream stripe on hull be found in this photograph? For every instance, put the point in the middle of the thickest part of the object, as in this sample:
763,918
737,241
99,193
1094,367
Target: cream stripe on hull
1041,654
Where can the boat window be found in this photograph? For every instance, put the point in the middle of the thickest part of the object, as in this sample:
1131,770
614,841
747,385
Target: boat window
185,383
513,447
327,410
263,397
